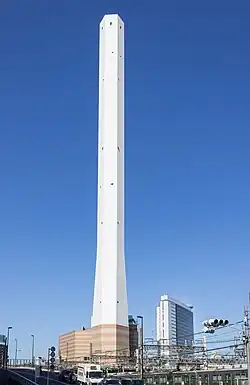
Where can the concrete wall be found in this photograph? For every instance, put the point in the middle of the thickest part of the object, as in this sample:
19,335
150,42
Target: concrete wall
2,376
5,378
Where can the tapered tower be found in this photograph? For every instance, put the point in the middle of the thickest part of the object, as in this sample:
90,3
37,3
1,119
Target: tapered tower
110,307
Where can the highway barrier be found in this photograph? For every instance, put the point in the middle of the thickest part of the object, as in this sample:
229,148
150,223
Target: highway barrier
13,378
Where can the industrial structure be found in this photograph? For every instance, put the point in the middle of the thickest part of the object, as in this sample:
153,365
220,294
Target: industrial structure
109,322
110,308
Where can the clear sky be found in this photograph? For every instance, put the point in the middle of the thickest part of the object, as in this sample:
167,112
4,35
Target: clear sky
187,160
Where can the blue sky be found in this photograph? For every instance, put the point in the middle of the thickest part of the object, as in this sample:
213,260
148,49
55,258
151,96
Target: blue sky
187,160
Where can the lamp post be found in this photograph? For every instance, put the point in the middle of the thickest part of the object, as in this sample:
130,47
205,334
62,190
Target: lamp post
16,352
33,350
142,346
7,348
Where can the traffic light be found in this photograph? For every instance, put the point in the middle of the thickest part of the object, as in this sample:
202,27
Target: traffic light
212,324
52,355
224,322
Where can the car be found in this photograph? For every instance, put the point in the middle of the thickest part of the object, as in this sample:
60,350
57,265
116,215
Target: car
111,381
136,381
118,381
67,376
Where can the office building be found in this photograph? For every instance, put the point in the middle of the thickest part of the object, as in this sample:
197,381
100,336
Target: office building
174,324
110,308
3,350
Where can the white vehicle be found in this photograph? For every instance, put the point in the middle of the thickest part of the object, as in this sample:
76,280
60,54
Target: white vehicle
89,374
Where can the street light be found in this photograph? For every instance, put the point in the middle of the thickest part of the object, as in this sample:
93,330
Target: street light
8,334
141,343
16,352
7,349
33,350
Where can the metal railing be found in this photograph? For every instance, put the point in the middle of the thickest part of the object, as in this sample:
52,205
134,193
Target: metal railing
20,362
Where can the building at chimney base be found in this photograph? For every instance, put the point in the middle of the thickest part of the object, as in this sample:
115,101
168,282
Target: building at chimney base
76,346
97,344
110,340
94,345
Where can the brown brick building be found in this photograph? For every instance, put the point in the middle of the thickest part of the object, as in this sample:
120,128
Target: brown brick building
80,345
76,345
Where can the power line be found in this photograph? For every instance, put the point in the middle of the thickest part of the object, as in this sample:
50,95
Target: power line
219,342
202,332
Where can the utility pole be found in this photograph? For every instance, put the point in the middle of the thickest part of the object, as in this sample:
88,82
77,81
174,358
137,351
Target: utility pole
204,352
142,345
91,351
246,337
48,369
67,352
